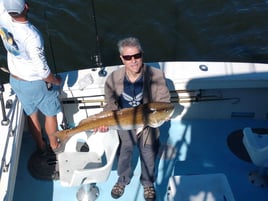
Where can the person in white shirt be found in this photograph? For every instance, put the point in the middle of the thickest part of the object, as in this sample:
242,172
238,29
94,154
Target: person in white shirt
29,71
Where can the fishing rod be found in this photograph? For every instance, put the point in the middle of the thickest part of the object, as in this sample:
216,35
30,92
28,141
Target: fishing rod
64,124
173,93
173,99
97,56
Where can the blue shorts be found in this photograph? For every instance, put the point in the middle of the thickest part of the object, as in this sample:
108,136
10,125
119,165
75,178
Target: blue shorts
35,96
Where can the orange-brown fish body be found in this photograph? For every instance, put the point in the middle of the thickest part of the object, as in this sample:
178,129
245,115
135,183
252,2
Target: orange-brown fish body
152,114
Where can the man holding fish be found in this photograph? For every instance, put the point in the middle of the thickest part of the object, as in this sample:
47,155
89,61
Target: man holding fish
137,103
128,87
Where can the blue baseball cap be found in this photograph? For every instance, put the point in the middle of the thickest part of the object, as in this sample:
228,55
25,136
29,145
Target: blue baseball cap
14,6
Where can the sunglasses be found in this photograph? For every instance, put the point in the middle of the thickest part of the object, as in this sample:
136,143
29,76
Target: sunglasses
129,57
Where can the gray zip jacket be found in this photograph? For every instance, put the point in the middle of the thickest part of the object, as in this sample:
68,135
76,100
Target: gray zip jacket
154,90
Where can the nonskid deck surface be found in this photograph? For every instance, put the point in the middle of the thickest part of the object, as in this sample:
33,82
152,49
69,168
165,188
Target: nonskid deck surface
189,147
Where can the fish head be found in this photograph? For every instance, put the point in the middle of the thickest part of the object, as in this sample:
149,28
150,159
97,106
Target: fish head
158,113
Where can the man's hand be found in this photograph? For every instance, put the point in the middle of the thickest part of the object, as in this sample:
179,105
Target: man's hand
56,80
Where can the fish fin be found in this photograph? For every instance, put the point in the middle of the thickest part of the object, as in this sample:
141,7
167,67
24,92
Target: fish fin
89,119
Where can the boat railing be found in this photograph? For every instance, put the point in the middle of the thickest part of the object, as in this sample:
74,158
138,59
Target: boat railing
10,134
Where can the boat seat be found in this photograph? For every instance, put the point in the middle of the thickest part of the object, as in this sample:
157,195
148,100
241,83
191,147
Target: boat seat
257,148
91,165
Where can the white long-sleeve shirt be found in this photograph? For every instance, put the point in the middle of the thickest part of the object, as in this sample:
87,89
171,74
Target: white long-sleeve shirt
25,56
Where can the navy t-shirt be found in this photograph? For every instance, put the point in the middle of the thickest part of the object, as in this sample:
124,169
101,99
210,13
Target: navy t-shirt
132,93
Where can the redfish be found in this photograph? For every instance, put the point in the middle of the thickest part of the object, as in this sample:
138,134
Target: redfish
152,114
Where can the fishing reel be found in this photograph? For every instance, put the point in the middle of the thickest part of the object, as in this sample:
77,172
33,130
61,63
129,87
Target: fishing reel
98,63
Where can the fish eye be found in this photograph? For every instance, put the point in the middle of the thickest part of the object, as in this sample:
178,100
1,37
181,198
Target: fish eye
153,110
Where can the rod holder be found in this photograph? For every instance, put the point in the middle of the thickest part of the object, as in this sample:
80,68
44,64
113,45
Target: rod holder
5,120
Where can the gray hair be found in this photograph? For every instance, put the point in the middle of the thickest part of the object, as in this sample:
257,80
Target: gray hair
129,42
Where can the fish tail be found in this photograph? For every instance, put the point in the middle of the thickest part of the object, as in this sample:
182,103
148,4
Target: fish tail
62,135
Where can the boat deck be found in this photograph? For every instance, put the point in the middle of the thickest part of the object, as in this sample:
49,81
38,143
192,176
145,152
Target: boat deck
202,143
189,147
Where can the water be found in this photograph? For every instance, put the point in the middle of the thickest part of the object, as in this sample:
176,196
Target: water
174,30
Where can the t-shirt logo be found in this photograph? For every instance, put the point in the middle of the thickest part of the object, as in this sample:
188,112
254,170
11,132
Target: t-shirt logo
9,41
132,94
133,100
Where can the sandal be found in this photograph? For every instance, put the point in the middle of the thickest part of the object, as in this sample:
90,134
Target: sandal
149,193
118,190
